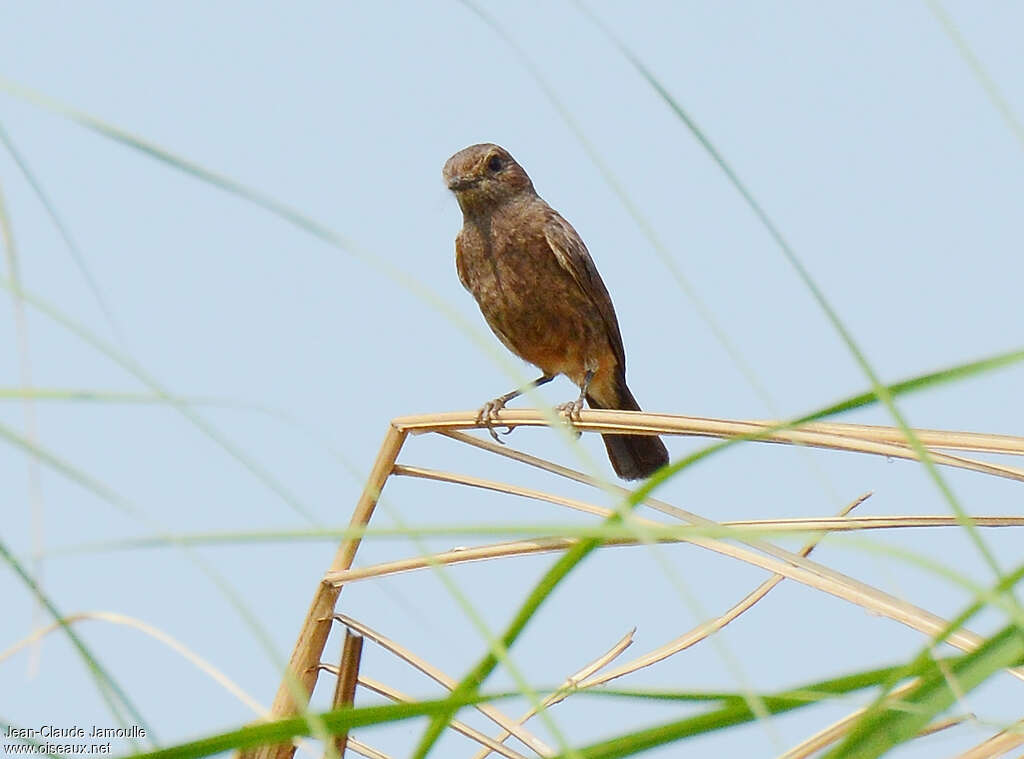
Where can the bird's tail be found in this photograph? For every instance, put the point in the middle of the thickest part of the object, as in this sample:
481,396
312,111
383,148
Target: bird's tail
633,457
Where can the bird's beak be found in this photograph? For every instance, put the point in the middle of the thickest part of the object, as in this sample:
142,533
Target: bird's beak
457,183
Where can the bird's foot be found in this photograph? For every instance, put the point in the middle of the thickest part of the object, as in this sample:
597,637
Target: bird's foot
488,416
570,411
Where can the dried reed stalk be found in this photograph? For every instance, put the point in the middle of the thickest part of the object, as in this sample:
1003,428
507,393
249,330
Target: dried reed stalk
345,687
998,745
765,555
447,682
837,730
459,727
571,684
304,665
300,678
860,438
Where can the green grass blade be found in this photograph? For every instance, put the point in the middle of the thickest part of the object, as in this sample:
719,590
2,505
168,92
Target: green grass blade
704,312
974,64
924,381
281,731
184,409
923,664
114,498
731,711
790,255
112,693
568,561
932,695
76,253
276,207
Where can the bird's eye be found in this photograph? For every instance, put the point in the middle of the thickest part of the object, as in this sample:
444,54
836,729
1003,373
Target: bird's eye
495,163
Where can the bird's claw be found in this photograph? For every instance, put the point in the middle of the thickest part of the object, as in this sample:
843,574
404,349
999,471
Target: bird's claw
570,411
488,415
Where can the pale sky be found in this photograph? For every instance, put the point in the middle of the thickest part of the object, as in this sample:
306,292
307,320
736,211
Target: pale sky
861,129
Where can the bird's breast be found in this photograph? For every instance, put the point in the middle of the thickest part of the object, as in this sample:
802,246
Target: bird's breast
530,301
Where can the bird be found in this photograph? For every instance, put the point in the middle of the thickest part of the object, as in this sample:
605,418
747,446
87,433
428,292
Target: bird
540,293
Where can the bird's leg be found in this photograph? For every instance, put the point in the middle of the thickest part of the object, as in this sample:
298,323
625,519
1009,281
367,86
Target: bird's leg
489,411
571,409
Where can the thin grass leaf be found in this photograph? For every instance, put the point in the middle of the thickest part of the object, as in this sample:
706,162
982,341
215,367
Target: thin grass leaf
705,313
878,733
734,711
112,693
282,731
279,209
76,253
116,499
790,255
922,666
184,409
974,64
923,382
733,707
472,681
540,593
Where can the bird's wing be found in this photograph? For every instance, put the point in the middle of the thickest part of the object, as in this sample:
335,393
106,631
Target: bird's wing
574,257
460,263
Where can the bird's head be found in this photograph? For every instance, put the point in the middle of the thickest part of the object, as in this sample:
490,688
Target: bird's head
484,176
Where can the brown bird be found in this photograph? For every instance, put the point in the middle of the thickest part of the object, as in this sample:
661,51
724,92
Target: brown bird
540,293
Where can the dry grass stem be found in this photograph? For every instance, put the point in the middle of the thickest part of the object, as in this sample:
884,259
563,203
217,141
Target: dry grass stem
837,730
943,724
303,665
345,687
363,750
742,546
998,745
569,686
459,727
782,562
945,439
172,643
501,720
702,631
500,487
459,556
859,438
839,524
515,548
360,748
